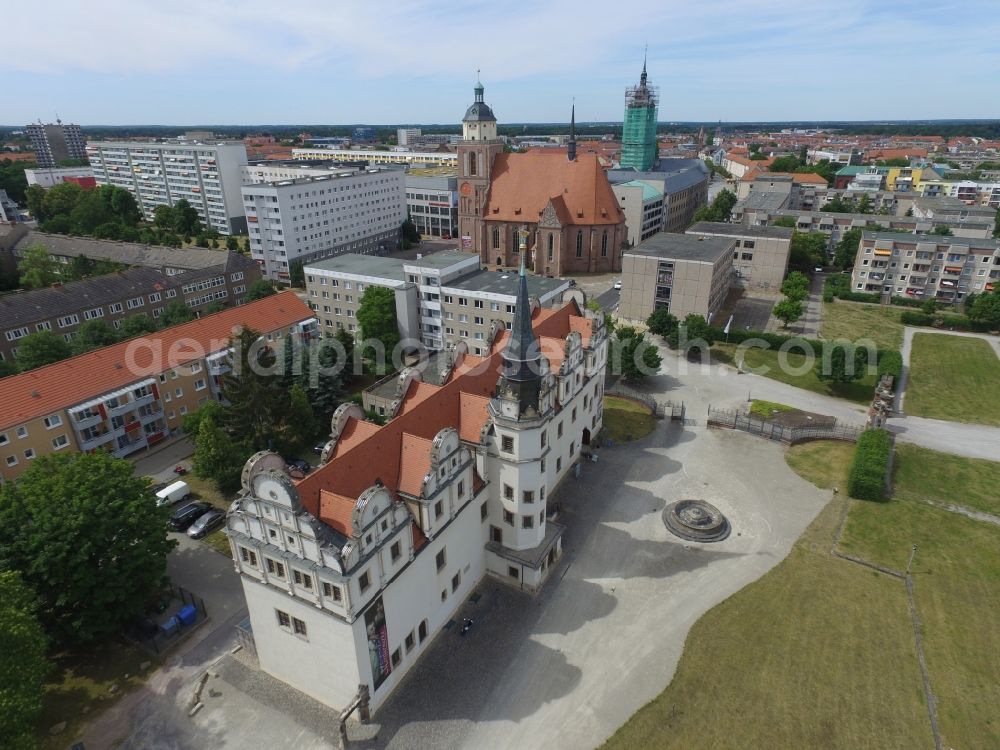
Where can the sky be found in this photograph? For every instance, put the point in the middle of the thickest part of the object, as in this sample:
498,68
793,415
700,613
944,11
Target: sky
176,62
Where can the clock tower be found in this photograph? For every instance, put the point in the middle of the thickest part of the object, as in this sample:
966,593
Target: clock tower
476,152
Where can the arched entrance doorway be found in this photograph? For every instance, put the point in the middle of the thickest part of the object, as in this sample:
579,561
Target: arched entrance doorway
586,436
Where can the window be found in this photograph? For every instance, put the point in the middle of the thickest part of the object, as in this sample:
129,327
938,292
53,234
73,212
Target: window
364,581
51,421
199,385
508,517
275,568
394,551
302,579
512,571
422,630
483,512
298,627
248,556
396,658
579,244
604,244
284,620
60,442
331,592
409,642
508,492
558,465
507,444
527,522
559,430
3,438
438,509
22,432
529,496
12,460
544,438
461,490
456,581
441,558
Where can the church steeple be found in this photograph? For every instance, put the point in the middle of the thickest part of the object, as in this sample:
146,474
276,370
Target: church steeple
571,150
521,368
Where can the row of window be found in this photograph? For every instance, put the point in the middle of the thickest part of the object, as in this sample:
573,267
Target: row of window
59,442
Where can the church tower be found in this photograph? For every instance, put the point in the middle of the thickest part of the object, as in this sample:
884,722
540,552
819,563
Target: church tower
639,148
476,152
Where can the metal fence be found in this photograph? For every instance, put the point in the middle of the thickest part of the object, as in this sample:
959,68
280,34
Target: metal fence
660,408
736,420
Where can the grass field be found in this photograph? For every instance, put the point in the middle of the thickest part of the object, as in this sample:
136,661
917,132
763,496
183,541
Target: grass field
820,652
766,409
953,378
858,320
860,391
626,420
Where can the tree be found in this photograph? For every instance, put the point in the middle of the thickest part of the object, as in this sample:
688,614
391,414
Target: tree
784,221
808,250
377,318
258,290
718,210
186,220
7,368
217,455
788,311
258,400
942,231
842,363
42,348
13,179
986,309
864,204
88,537
784,164
847,249
839,206
232,244
636,356
164,217
300,421
296,274
175,313
61,199
136,325
23,664
35,198
694,335
661,322
796,286
409,230
929,306
38,268
93,334
346,339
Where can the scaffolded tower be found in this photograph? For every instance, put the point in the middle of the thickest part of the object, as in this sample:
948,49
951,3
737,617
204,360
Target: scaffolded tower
639,129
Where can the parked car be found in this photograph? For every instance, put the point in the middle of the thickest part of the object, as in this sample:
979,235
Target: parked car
187,515
173,493
206,523
318,448
298,463
618,284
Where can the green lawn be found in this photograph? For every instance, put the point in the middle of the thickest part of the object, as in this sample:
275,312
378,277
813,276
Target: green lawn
956,577
626,420
78,687
820,652
766,409
860,391
858,320
953,378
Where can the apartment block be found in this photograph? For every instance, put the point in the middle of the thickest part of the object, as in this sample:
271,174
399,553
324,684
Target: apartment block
63,308
208,175
310,218
925,266
441,298
682,272
683,183
55,142
760,258
53,176
381,158
432,201
643,207
836,224
129,396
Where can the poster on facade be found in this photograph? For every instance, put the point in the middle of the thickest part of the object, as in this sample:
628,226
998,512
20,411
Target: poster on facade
466,242
378,643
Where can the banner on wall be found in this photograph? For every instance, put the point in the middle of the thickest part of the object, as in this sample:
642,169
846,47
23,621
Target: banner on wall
378,643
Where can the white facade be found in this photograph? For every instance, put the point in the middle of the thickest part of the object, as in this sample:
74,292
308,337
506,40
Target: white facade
47,178
433,158
335,608
318,217
208,175
406,136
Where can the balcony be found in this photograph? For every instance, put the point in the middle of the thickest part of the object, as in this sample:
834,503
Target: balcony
96,442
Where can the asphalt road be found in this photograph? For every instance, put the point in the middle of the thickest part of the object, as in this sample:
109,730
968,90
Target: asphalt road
609,300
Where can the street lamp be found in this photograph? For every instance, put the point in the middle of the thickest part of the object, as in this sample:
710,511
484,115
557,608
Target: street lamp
913,553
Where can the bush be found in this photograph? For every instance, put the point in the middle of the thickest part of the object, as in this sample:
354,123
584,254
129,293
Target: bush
859,297
890,362
828,296
956,322
908,318
871,462
906,302
774,339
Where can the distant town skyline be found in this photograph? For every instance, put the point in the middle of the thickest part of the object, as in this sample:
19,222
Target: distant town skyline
112,62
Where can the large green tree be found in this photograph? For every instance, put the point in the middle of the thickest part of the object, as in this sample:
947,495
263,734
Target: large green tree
808,250
377,318
258,290
788,311
254,387
88,537
13,179
137,325
186,219
93,334
847,248
661,322
796,286
718,210
38,268
218,456
175,313
301,425
693,334
23,665
61,199
41,348
635,356
842,362
986,309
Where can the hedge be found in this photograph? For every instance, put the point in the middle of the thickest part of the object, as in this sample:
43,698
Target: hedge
738,336
866,480
943,320
909,318
890,362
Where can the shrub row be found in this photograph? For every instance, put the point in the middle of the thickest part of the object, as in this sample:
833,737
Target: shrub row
890,362
907,301
957,322
738,336
871,462
859,297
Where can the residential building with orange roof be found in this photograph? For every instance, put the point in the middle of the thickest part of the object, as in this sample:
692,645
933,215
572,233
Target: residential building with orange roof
131,395
350,572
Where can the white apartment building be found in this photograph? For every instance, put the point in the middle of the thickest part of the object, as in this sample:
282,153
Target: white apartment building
432,201
208,175
53,176
407,136
351,572
310,218
429,158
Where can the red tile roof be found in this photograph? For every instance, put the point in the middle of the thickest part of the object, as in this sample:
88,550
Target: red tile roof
398,453
45,390
523,184
583,326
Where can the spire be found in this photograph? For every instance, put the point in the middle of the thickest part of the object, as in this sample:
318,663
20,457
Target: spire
642,78
521,353
571,151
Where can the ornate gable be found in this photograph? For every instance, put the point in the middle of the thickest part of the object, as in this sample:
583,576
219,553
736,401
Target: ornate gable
550,217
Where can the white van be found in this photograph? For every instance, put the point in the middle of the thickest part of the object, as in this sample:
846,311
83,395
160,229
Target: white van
173,493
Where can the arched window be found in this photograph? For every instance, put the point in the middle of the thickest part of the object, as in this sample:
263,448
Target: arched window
496,238
551,236
604,244
472,162
514,239
579,244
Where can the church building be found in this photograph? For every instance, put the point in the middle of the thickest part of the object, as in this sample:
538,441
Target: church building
561,202
351,571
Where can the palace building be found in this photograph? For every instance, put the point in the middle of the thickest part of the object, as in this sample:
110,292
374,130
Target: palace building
350,572
562,201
